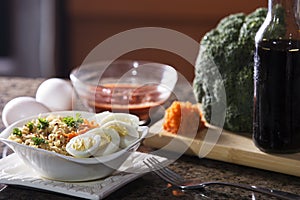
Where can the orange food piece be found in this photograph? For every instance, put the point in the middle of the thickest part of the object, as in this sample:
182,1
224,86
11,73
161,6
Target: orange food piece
84,127
183,117
71,135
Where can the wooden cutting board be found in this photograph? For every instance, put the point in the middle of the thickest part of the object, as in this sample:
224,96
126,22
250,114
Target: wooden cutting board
230,147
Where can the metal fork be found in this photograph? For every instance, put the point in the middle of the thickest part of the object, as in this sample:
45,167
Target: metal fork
179,182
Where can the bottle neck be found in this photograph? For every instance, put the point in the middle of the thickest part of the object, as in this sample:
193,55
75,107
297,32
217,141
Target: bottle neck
286,12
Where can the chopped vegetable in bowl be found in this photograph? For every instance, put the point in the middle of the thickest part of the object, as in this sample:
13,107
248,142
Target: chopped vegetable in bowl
52,132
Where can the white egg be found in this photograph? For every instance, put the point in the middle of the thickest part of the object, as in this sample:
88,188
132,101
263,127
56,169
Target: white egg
83,146
123,117
21,107
56,94
128,133
110,141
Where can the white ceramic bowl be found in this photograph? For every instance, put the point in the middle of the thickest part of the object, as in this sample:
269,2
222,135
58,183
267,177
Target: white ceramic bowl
56,166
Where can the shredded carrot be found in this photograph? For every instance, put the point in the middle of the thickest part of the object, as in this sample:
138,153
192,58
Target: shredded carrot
84,127
90,124
183,117
71,135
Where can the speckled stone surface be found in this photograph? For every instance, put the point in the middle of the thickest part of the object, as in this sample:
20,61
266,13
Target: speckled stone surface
150,186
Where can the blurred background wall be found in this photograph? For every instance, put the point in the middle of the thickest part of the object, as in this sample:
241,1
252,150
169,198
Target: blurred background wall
46,38
29,34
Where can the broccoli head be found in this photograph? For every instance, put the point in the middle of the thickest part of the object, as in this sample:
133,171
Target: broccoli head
230,47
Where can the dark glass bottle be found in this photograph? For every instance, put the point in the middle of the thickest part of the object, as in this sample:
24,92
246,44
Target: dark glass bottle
276,126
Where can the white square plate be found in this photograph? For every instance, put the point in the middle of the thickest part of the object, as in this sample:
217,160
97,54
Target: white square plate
13,171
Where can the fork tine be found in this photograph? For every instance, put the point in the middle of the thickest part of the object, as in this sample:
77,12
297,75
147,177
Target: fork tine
157,171
168,171
163,172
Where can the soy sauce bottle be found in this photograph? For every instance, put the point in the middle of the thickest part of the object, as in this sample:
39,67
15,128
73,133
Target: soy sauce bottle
276,124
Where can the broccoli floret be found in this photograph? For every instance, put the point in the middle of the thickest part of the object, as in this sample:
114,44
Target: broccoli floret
73,121
229,47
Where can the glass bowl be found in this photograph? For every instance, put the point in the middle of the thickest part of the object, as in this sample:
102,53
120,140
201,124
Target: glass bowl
126,86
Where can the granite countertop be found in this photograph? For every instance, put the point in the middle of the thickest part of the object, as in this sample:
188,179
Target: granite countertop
150,186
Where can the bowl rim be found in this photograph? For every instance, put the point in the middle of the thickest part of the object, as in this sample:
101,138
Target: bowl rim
75,79
143,131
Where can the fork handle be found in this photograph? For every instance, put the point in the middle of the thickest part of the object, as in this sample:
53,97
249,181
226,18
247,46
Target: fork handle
275,193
